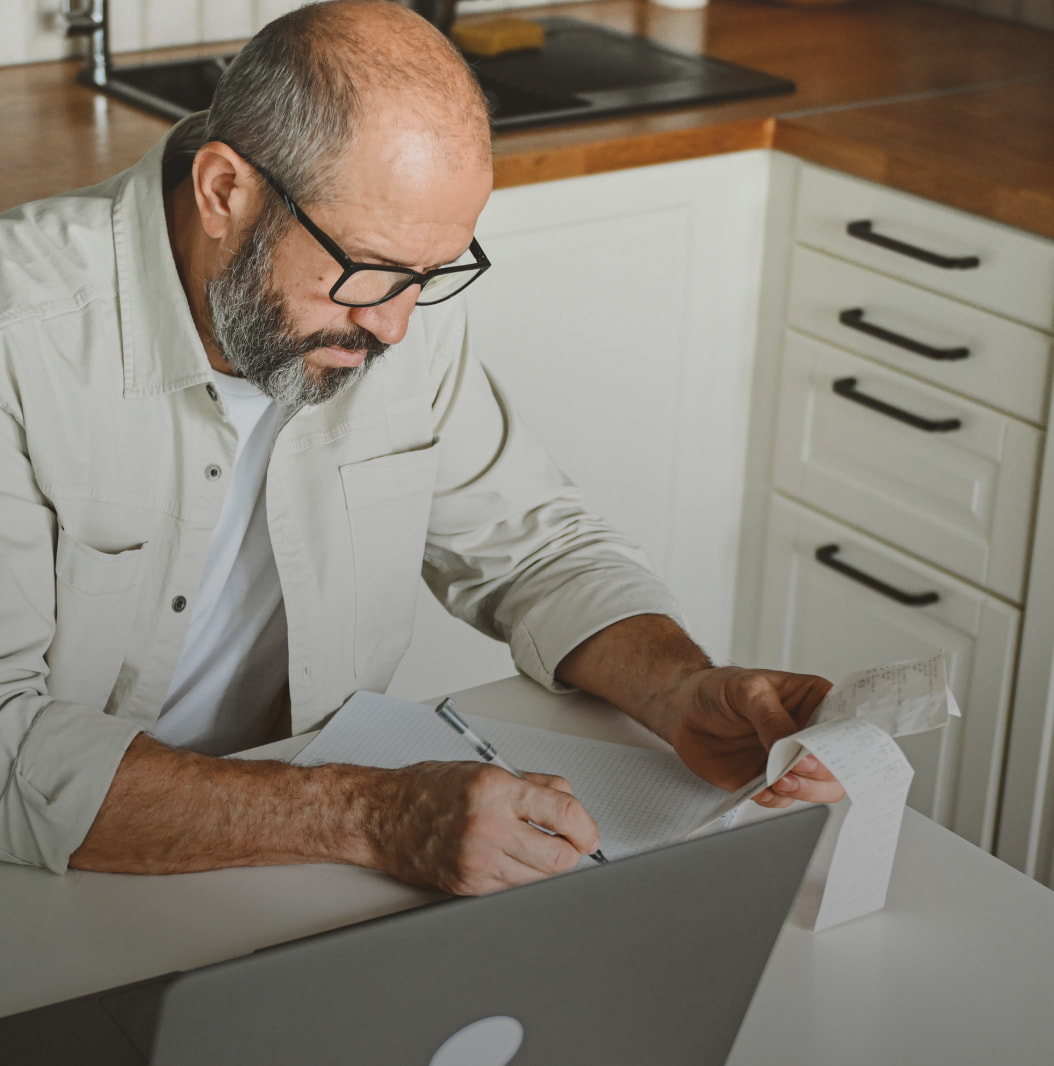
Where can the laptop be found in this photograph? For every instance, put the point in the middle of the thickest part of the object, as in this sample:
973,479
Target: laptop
650,959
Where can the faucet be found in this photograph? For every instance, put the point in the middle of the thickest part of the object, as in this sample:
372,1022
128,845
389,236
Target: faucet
89,19
439,12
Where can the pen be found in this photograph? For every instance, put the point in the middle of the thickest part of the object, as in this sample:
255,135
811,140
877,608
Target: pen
485,750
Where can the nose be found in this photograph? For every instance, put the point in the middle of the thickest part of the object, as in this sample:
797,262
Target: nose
388,321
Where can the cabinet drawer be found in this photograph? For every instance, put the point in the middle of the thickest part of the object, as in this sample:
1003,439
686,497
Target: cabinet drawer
957,493
1014,273
951,344
817,620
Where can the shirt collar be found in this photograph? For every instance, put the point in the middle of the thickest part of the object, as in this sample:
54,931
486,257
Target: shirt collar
160,342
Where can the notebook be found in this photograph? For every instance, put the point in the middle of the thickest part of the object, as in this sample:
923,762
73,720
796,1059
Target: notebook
651,959
640,798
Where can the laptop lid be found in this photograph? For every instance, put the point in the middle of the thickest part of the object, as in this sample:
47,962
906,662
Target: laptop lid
651,959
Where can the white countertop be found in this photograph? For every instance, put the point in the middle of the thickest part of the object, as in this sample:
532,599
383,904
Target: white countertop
957,969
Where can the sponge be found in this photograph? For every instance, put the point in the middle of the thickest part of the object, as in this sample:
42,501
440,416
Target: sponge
495,36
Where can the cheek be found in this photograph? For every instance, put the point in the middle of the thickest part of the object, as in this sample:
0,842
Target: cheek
304,276
305,295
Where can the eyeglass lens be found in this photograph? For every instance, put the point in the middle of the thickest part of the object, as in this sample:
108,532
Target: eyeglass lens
365,287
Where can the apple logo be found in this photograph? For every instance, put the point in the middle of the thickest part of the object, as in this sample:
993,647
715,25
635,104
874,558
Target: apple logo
487,1042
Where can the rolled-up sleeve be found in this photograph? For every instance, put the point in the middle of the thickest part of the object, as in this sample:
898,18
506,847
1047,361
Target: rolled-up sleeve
512,549
57,757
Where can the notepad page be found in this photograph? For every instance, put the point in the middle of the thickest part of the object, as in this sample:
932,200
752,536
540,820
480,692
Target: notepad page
639,798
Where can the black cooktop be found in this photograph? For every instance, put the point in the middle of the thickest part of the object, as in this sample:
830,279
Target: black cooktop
589,71
583,71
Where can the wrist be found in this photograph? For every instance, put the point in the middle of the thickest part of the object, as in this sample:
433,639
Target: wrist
350,801
663,711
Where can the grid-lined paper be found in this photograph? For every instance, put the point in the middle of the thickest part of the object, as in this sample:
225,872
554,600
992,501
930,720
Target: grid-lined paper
639,798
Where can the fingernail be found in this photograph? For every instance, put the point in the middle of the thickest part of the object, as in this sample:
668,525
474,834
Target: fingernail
787,784
807,764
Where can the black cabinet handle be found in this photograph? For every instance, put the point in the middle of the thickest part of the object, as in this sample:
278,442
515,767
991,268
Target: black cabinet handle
847,387
862,231
854,319
826,556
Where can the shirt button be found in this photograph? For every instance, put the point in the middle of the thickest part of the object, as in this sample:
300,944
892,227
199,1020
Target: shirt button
179,604
211,390
213,472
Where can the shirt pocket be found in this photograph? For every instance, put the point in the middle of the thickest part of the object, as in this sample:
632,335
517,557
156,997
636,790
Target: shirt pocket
96,604
388,500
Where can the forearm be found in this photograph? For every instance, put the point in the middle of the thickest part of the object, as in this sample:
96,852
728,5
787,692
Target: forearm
464,827
639,665
170,811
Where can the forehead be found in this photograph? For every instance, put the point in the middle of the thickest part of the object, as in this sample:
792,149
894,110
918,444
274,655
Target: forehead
409,181
397,155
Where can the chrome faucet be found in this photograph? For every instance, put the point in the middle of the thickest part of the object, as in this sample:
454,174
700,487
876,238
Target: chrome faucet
439,12
89,19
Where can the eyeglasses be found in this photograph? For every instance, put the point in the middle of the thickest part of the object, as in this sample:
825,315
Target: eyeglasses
367,284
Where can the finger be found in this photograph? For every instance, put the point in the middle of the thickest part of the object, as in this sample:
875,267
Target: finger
768,798
560,812
812,768
561,784
536,854
802,694
759,703
811,790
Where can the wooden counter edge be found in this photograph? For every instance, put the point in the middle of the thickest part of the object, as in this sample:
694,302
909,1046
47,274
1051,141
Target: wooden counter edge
940,180
621,152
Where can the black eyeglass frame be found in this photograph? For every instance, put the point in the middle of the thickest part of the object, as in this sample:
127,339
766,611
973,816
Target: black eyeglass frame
350,267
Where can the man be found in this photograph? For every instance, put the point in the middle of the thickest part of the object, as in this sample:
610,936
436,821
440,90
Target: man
218,488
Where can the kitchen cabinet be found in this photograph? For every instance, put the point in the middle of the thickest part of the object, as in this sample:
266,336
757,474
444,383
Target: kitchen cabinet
816,618
897,462
620,316
683,338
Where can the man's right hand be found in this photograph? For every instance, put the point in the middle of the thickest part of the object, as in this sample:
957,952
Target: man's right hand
463,827
460,827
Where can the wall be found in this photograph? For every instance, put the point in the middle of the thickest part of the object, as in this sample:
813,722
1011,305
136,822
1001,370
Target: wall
1034,12
34,29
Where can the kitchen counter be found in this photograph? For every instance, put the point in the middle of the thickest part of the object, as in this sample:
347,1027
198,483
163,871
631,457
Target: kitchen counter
941,103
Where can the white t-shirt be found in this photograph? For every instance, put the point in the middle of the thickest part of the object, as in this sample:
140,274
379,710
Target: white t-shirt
235,654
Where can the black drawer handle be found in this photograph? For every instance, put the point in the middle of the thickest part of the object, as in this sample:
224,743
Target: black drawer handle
862,231
847,387
854,319
826,556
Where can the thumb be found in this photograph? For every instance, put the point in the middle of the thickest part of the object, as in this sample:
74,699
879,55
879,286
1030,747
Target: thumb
766,713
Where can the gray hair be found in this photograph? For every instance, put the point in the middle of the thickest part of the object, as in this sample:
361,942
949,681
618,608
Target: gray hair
285,104
289,103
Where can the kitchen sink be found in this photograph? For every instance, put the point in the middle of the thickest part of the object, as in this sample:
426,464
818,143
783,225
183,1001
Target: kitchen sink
584,71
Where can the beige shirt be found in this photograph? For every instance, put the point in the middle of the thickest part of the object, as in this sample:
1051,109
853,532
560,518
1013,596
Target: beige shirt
115,453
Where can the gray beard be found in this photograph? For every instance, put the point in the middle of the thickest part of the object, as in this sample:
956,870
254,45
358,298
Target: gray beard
253,329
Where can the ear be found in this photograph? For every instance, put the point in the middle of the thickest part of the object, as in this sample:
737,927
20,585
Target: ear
226,190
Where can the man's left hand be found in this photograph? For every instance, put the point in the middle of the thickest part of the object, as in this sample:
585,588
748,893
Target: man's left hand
720,720
725,720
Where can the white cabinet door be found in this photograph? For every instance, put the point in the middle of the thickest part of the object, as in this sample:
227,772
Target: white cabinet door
936,474
949,344
620,316
960,255
819,619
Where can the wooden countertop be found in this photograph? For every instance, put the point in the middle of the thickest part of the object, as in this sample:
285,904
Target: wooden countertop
947,105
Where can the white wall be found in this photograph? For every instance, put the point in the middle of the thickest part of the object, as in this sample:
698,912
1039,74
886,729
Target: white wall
34,30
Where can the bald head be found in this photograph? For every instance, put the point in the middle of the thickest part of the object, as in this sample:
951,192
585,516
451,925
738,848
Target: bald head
301,91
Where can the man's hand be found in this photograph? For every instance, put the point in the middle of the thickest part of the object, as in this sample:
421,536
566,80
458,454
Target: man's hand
463,827
726,719
720,720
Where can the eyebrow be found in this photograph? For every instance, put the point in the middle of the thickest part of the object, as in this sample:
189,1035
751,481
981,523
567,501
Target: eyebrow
382,260
370,254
